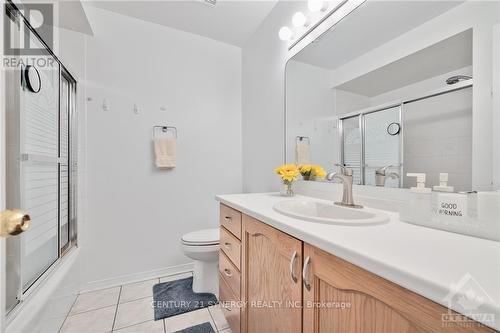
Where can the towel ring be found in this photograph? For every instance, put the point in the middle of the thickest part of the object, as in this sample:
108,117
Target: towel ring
302,138
165,129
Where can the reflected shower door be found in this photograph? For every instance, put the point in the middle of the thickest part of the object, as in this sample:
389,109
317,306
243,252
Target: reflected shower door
382,149
351,146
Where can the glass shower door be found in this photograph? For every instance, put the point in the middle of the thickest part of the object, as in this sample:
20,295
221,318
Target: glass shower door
39,175
351,147
381,148
38,179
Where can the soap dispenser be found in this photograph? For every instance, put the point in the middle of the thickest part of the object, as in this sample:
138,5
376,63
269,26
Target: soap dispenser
420,188
443,184
418,209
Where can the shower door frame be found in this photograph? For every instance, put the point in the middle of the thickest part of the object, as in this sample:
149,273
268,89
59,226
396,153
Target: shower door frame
3,193
6,316
362,134
361,113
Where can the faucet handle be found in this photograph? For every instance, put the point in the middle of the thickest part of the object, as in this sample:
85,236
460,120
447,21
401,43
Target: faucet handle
381,171
342,167
344,170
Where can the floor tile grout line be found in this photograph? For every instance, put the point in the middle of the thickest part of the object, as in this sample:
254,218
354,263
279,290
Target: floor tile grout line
67,315
213,320
128,326
94,309
116,310
97,290
135,299
142,322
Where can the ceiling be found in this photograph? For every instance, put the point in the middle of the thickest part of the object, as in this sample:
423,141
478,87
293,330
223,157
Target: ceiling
70,14
371,25
448,55
228,21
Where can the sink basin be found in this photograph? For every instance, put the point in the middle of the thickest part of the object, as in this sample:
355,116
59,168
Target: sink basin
328,213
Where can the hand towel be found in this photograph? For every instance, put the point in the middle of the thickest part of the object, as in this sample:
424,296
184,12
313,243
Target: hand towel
165,151
302,155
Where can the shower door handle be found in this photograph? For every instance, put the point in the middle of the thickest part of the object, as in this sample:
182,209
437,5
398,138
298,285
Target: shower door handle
13,222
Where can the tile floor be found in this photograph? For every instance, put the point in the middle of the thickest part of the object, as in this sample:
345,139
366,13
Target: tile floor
127,309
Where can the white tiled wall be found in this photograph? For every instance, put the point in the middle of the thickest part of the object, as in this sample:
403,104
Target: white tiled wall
438,138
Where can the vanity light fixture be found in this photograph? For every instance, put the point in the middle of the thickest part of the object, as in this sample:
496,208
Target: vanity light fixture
317,5
300,20
285,33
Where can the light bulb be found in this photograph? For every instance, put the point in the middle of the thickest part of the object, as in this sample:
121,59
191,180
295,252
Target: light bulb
317,5
285,33
299,20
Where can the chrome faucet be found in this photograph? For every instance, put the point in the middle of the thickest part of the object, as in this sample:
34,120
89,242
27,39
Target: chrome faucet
345,176
381,175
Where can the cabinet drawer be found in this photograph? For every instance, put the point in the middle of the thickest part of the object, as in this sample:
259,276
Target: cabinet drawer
231,220
231,246
230,273
229,305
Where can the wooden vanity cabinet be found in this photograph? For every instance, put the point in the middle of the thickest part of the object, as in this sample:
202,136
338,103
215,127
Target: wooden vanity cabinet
229,266
271,284
291,286
375,304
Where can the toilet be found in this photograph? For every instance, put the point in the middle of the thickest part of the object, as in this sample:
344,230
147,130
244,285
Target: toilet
203,247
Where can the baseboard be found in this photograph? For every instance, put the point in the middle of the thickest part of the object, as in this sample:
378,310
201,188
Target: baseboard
136,277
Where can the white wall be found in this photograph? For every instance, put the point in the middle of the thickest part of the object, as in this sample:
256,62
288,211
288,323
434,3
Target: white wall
346,101
418,89
264,58
310,105
137,213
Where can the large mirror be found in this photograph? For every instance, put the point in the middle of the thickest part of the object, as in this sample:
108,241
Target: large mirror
400,87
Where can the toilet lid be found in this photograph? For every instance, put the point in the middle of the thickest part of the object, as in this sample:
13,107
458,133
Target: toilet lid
202,237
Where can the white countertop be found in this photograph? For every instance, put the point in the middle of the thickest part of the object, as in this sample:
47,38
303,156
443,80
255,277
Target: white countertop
426,261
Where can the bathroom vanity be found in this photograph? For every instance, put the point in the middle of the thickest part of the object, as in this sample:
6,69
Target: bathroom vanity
283,274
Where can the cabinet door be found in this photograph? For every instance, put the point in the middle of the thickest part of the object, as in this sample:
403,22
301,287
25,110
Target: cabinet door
271,280
341,297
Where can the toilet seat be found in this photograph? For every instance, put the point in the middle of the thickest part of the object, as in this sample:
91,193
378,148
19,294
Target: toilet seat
203,237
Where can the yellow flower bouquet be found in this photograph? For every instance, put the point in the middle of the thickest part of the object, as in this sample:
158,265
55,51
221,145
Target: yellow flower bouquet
288,174
312,172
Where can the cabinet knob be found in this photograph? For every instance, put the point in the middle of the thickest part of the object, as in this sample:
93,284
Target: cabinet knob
227,272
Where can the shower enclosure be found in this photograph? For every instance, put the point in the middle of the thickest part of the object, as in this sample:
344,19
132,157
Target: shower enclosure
430,134
41,165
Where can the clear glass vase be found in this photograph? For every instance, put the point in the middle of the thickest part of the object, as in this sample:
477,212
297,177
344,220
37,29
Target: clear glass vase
287,189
